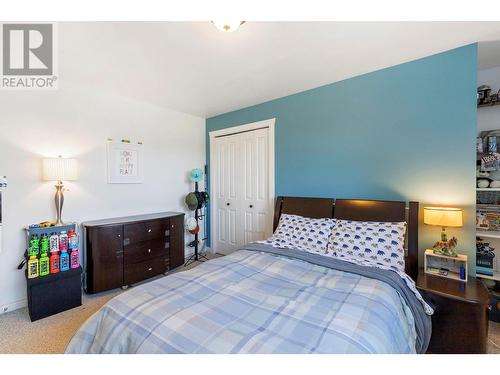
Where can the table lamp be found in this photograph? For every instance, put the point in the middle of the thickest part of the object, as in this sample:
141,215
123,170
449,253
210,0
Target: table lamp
444,217
59,169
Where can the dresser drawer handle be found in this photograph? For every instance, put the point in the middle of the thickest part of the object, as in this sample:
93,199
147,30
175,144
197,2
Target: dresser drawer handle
149,230
149,250
150,268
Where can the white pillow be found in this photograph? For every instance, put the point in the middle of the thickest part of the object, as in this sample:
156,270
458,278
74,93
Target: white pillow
303,233
375,243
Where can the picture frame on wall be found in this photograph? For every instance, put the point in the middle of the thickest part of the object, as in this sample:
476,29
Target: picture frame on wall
125,162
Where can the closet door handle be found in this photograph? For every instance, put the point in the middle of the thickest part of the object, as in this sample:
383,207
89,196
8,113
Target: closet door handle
227,204
251,206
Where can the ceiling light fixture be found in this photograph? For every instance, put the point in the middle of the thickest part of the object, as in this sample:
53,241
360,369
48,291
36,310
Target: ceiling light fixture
228,26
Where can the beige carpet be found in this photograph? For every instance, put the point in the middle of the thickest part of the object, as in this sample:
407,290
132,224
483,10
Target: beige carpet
52,334
18,335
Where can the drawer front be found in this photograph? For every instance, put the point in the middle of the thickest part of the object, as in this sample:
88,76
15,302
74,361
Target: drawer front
133,273
145,230
146,250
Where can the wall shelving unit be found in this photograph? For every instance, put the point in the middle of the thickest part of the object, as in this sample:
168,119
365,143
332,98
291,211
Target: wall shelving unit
488,199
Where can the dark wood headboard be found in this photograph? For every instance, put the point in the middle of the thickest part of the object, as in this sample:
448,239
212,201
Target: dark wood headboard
359,210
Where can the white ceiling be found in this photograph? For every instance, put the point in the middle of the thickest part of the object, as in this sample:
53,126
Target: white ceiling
194,68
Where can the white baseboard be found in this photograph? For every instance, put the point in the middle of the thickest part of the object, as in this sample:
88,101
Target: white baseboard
13,306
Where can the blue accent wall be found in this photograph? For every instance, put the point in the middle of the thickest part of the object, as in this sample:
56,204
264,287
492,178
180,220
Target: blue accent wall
403,133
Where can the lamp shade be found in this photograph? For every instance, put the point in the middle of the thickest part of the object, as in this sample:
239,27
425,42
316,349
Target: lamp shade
443,216
59,169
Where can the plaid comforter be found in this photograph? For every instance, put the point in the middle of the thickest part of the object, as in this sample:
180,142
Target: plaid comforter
253,302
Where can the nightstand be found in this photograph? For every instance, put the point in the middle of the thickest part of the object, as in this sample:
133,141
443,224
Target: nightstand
460,320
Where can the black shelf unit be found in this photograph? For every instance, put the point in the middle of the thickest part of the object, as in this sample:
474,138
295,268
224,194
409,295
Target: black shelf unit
55,292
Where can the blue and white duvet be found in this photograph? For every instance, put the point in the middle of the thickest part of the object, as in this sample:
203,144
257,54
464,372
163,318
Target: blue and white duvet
262,300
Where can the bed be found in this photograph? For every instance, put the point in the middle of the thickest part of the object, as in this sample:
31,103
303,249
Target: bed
263,299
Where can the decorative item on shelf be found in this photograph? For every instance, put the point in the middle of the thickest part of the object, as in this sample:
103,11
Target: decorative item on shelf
492,144
482,174
488,218
444,217
488,196
483,94
490,162
446,248
451,267
493,98
484,257
59,169
479,145
483,183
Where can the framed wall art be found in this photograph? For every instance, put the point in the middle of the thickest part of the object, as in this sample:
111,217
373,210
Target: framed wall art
125,162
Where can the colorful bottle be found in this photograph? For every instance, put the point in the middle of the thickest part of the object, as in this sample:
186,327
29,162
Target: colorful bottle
44,267
54,242
72,240
32,267
74,258
34,246
63,241
54,262
64,259
44,243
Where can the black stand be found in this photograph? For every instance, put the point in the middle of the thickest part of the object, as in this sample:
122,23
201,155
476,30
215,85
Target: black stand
196,257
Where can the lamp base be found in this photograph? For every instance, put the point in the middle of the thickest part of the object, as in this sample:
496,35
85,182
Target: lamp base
59,201
446,248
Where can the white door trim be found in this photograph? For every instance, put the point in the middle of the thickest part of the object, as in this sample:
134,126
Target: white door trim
270,124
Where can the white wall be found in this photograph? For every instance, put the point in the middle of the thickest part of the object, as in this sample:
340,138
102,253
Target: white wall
489,118
75,121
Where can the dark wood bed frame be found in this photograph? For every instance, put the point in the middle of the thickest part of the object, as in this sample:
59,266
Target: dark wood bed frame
359,210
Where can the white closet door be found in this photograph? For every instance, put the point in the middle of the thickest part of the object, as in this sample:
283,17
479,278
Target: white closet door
241,174
255,183
227,193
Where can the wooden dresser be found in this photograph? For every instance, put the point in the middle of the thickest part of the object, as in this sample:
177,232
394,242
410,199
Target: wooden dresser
123,251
